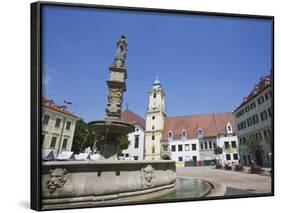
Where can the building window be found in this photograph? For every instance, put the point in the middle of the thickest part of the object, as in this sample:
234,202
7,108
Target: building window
249,122
235,156
266,96
260,100
244,125
258,136
53,142
210,145
153,127
137,129
153,137
136,157
137,141
42,139
154,95
57,124
263,115
68,125
64,144
255,119
233,144
215,144
270,112
226,144
46,119
247,108
183,135
200,133
170,136
173,148
201,146
126,155
180,148
253,105
229,128
186,147
206,145
180,158
153,117
193,147
266,133
228,157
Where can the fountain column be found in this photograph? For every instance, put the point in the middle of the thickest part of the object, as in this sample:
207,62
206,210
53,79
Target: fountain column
112,128
116,83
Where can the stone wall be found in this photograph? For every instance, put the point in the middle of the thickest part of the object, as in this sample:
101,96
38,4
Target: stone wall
85,183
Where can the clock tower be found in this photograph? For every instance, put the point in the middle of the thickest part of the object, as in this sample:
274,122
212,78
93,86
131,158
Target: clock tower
154,121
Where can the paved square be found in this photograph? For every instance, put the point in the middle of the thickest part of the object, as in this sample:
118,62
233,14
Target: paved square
235,182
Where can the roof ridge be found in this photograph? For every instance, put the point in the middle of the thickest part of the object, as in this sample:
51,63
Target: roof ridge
209,113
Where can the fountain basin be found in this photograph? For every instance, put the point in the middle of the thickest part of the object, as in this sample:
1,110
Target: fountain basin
95,183
117,127
111,130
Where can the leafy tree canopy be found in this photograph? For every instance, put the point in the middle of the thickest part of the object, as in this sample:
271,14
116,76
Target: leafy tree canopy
82,137
253,144
124,142
217,150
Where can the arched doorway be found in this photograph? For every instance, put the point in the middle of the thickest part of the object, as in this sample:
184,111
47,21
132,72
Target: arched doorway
259,157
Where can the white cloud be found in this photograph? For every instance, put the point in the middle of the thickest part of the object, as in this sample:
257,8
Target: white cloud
46,79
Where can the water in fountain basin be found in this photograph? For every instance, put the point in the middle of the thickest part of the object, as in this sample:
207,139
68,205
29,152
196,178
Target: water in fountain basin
188,188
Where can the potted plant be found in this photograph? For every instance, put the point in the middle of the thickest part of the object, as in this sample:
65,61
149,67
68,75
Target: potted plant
227,167
239,168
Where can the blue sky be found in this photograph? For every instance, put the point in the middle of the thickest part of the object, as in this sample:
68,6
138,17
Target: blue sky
205,64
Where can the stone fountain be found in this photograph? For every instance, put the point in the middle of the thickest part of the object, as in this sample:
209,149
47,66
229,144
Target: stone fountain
112,128
107,181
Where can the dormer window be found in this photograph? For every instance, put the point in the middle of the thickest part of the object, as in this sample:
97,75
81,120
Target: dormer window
200,133
229,128
183,135
170,136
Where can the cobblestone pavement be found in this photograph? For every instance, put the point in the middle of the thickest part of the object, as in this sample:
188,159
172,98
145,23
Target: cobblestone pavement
235,182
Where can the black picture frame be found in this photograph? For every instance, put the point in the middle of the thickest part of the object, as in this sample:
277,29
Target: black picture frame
36,93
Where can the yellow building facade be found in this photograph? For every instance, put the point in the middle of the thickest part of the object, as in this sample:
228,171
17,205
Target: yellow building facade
58,127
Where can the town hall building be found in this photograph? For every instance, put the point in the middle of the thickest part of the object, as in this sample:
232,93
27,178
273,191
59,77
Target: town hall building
188,138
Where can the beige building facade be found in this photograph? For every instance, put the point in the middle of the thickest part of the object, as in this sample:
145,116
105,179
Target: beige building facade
58,126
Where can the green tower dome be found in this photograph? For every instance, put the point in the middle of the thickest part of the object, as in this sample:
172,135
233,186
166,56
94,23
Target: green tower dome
156,84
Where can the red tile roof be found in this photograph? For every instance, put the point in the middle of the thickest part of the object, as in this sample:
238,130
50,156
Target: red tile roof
212,124
132,118
51,105
264,82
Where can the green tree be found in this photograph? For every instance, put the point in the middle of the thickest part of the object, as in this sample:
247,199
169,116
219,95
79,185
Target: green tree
268,139
124,142
253,144
83,137
218,151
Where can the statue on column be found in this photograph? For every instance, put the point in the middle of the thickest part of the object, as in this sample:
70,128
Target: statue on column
122,48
